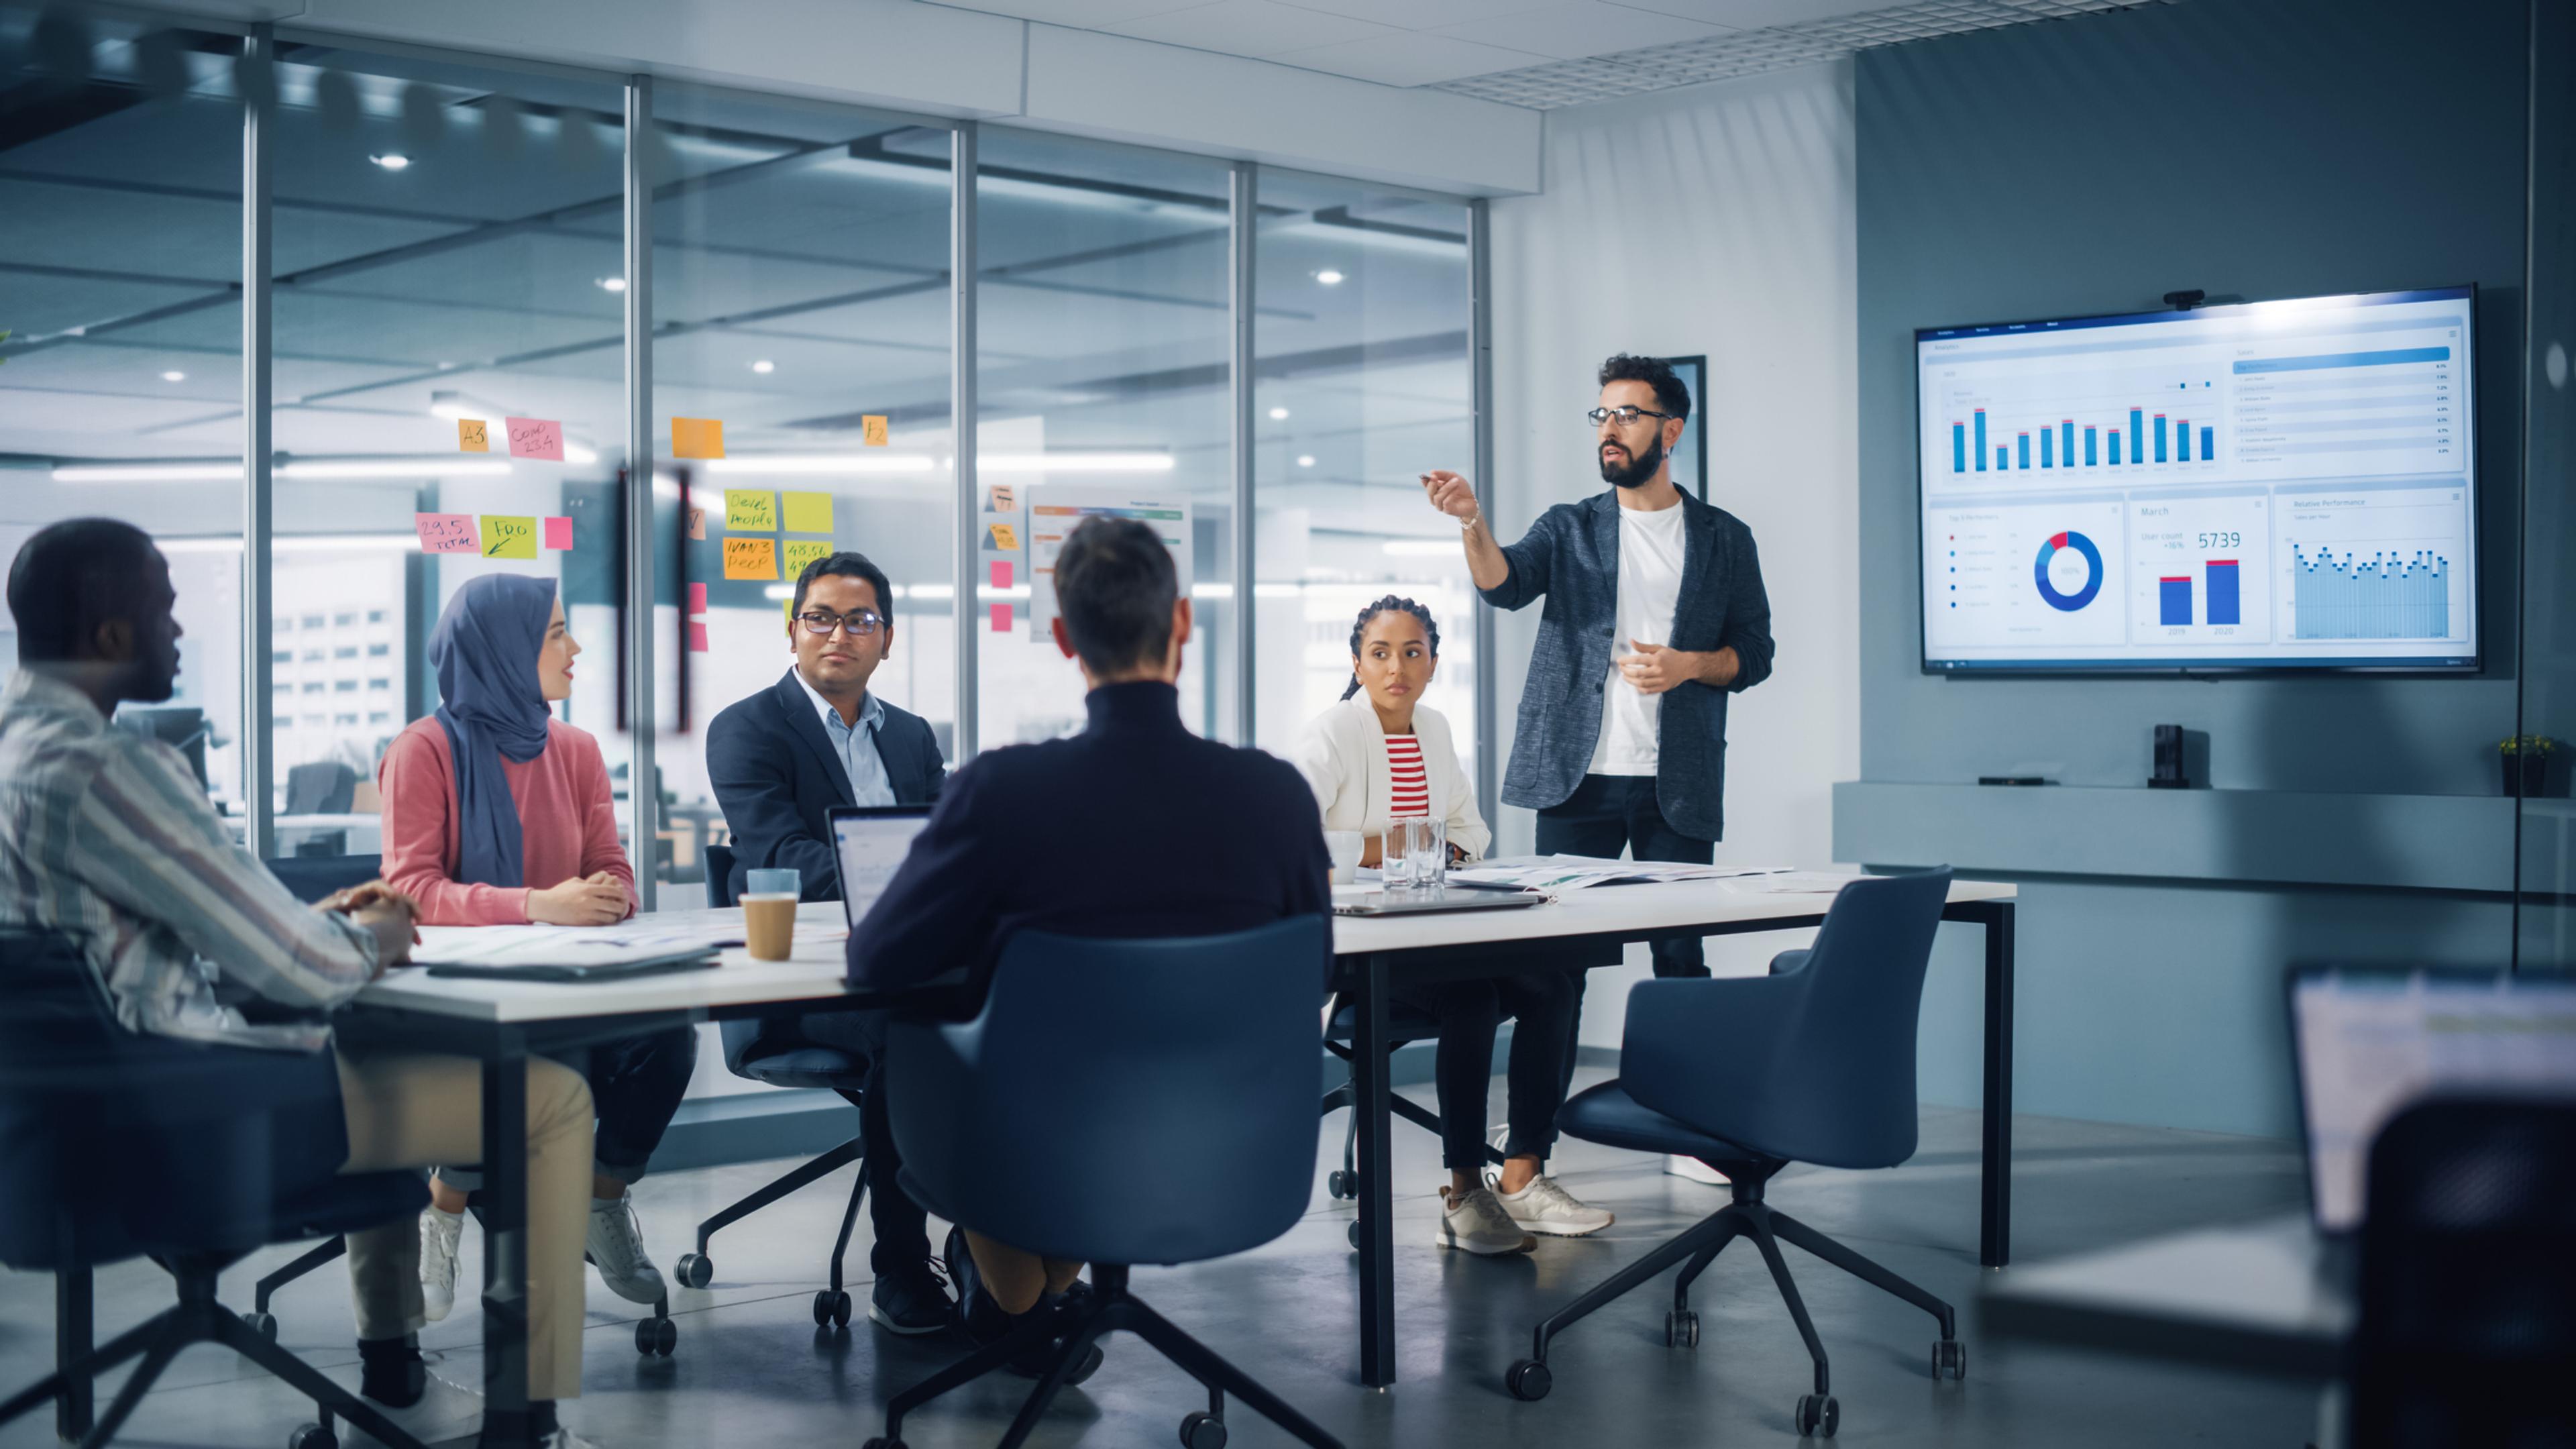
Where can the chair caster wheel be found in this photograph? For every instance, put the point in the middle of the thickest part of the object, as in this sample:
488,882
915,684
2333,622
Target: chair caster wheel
1818,1414
1354,1234
1341,1185
831,1308
656,1337
1202,1430
1528,1380
311,1436
265,1325
695,1270
1949,1356
1681,1329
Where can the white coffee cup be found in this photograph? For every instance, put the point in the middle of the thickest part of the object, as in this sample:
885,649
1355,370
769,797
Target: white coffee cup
1344,846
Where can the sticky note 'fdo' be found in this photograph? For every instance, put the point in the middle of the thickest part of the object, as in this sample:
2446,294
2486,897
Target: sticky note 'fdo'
507,537
751,510
1002,536
559,534
795,553
446,532
808,512
697,437
536,438
751,558
872,430
473,436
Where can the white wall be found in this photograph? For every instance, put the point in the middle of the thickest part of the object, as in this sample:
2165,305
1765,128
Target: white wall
1716,220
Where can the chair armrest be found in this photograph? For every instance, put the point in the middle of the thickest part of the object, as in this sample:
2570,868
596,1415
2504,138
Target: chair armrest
1789,963
1693,1042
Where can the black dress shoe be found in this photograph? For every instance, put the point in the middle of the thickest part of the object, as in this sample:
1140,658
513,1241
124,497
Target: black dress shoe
391,1371
985,1322
910,1299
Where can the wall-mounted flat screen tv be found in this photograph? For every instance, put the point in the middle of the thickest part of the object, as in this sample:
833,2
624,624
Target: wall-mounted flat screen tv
2269,485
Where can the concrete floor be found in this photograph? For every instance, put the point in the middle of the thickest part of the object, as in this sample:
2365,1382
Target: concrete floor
751,1368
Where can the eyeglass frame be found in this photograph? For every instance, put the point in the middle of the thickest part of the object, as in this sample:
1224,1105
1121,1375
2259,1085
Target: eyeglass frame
1599,415
843,623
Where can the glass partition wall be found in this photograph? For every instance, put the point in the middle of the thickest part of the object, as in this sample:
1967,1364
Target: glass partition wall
2545,902
440,349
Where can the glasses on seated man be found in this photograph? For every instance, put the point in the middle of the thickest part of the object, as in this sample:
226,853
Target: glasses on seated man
821,622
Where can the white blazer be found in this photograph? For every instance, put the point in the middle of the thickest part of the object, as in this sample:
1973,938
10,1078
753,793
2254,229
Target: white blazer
1342,753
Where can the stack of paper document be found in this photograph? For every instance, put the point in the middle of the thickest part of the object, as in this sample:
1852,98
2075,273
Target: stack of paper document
642,939
1556,874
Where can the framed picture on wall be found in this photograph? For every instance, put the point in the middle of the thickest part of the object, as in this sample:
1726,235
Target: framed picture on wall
1690,461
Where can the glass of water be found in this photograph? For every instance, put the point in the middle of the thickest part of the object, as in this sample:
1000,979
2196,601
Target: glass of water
1415,854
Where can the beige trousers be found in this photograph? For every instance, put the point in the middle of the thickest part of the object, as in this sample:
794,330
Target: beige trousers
409,1109
1016,1277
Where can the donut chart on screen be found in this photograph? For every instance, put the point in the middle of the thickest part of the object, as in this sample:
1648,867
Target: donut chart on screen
2084,550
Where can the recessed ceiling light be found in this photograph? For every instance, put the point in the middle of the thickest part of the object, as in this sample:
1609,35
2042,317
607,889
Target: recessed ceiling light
609,284
1278,415
174,377
1305,460
391,160
764,365
1329,277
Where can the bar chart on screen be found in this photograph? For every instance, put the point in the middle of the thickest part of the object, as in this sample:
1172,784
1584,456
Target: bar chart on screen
2199,570
2157,420
2374,565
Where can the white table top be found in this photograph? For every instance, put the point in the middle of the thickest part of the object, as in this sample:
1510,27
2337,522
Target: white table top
814,971
2264,1279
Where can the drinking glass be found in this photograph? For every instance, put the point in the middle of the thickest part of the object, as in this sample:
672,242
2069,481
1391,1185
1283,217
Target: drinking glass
1426,851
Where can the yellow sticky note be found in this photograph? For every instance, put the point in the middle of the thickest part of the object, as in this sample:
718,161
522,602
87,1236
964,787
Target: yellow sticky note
809,512
509,537
697,438
751,558
1003,536
795,553
753,510
472,437
872,430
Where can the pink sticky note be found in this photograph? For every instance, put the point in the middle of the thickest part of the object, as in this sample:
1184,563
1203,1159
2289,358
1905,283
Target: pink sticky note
1001,618
697,598
697,636
1001,573
447,533
536,438
559,533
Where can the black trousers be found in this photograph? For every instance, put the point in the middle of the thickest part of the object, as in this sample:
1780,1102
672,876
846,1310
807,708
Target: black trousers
899,1226
1469,1012
1605,815
636,1084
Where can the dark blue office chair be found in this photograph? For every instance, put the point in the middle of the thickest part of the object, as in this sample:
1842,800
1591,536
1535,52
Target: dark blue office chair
2467,1310
1405,1025
774,1052
1813,1063
116,1145
1119,1102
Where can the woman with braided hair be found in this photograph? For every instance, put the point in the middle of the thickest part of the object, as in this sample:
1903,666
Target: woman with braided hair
1380,756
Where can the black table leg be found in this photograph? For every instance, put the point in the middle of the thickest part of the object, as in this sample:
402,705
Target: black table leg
505,1232
74,1407
1994,1207
1376,1196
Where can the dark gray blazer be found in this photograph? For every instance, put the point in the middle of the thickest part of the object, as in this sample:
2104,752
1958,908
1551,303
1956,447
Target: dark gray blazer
1571,555
776,778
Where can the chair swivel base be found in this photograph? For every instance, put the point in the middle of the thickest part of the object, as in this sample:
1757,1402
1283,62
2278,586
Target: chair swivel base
831,1305
1078,1320
199,1318
1747,1216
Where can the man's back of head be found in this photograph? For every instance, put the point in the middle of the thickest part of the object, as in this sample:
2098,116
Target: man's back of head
1118,601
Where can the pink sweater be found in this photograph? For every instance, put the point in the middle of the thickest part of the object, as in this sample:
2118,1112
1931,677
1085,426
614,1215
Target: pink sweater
568,825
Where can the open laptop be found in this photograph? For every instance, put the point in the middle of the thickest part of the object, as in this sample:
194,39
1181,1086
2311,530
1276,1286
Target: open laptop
1435,902
2370,1044
868,843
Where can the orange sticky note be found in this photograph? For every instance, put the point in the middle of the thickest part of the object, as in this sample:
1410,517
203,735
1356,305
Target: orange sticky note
472,436
1003,536
751,558
697,438
872,430
1001,618
698,523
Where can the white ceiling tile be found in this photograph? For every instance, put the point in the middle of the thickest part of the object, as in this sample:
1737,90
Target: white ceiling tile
1081,14
1415,14
1572,29
1411,59
1250,27
1755,14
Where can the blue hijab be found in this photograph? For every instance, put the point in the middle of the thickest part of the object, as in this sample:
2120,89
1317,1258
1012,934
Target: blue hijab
485,651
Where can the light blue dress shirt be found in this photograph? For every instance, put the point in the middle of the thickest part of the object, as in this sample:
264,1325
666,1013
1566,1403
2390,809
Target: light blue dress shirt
856,746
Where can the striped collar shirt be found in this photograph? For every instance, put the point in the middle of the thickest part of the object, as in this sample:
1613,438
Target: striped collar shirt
1405,776
106,837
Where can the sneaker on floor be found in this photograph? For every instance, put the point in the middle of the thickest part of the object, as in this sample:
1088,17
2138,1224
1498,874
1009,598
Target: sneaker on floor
1692,1169
911,1298
1475,1221
616,1247
563,1438
439,1234
1544,1206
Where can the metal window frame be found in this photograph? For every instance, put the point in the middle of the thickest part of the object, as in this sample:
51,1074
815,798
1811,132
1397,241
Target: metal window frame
963,293
1480,363
259,745
643,779
1243,222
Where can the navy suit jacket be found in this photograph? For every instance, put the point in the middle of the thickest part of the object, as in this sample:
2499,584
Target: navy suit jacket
776,778
1133,828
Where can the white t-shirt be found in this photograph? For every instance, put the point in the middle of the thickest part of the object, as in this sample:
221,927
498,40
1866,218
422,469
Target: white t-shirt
1650,590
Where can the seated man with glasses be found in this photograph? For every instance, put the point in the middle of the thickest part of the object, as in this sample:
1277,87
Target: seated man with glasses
779,762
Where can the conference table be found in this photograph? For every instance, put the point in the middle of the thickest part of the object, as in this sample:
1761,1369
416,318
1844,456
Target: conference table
504,1023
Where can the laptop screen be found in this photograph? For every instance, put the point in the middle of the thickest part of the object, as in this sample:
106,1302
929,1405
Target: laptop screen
2371,1044
868,843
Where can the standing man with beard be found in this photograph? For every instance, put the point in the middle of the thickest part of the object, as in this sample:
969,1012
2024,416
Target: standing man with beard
1655,614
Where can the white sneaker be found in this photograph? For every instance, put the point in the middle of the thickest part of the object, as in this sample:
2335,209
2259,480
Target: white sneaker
1476,1222
563,1438
439,1232
616,1247
1546,1207
1693,1170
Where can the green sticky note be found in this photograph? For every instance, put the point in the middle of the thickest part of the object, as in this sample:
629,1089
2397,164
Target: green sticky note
796,553
505,537
752,509
809,512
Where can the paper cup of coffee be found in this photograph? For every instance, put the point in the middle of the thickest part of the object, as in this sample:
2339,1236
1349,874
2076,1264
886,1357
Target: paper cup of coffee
769,924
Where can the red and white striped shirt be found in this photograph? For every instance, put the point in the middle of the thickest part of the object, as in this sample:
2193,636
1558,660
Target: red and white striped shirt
1404,768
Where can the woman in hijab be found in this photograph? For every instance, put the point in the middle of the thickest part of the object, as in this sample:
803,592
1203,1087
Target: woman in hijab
497,813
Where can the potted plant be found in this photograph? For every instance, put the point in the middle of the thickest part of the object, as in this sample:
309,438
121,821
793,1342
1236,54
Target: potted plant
2526,765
